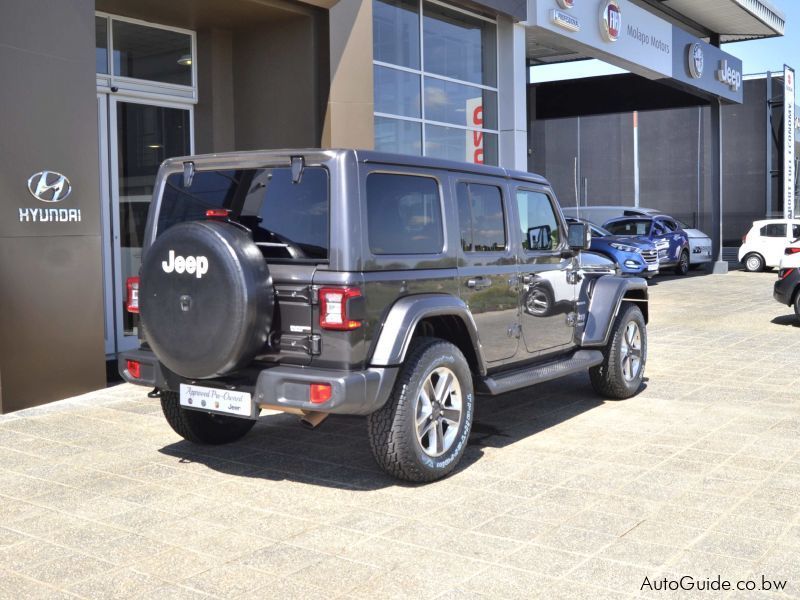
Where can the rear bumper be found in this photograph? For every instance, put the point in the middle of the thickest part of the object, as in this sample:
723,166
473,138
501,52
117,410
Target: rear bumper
280,387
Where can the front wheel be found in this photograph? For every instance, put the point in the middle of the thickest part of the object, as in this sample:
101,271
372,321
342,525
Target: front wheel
621,373
682,267
200,427
421,433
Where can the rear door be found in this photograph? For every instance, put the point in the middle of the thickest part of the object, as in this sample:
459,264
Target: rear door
487,267
774,239
289,223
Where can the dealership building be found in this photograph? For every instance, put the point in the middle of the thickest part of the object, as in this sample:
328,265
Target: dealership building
97,93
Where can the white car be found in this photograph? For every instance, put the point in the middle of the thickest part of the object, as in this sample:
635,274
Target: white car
764,244
699,243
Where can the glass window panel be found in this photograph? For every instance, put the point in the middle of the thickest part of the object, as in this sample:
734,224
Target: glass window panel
404,214
537,221
795,231
395,32
459,46
774,230
460,104
101,45
465,145
150,53
480,214
397,92
401,137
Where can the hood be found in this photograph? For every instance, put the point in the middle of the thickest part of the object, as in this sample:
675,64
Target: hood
631,240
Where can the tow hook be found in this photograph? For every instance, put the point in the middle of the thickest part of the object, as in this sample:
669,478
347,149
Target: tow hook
156,393
313,419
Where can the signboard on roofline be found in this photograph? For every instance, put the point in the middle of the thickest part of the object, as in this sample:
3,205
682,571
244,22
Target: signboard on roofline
788,143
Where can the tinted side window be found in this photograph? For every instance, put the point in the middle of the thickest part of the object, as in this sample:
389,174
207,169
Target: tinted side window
658,228
404,214
538,221
669,225
480,216
795,231
774,230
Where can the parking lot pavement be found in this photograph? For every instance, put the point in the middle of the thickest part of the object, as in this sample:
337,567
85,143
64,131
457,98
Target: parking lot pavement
561,495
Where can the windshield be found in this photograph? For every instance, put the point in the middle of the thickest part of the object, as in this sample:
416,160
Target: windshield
288,220
629,227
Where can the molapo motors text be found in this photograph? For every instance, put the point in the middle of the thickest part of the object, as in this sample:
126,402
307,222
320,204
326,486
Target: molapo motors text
49,215
647,40
687,582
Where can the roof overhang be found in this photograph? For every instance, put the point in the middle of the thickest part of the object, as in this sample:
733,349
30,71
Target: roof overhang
732,20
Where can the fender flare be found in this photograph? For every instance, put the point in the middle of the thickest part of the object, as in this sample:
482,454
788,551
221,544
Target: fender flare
607,296
398,327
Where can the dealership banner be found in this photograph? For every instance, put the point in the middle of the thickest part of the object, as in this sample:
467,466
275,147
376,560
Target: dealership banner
630,37
788,143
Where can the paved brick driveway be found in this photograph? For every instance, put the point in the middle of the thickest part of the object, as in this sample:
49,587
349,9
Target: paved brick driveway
561,496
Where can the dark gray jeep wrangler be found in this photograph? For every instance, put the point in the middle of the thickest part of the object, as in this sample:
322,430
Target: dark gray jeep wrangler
361,283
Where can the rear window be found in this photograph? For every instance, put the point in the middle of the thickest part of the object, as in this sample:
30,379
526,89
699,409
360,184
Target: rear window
404,214
288,220
630,227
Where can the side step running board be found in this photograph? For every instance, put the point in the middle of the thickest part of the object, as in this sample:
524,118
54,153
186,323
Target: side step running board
521,378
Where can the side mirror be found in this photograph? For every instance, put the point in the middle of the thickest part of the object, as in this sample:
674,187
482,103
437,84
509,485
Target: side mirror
579,236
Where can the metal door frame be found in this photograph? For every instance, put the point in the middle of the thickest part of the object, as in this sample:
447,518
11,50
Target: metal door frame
111,220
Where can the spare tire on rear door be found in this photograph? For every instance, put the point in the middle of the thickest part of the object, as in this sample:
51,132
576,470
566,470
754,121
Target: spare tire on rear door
206,298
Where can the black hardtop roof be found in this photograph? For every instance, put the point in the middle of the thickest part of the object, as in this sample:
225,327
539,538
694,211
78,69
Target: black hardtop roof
364,156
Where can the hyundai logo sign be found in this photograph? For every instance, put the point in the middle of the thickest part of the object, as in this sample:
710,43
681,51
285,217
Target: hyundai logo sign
49,186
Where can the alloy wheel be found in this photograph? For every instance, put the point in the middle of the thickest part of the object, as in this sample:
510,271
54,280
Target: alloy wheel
631,349
438,412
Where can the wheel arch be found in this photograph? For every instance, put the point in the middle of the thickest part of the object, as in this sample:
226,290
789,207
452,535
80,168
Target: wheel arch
435,315
608,295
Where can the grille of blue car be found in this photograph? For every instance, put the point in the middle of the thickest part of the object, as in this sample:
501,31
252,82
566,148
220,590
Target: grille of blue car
650,256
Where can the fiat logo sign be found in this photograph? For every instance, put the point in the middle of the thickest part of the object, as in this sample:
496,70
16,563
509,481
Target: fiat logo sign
610,20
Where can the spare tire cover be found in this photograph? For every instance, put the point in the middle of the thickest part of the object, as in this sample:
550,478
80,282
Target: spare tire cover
206,298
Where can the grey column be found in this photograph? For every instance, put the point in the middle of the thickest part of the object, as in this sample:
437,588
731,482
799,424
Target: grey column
719,266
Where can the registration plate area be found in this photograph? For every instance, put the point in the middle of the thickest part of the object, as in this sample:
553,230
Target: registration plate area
652,267
218,400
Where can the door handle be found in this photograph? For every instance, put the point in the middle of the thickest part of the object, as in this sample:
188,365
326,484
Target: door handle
478,283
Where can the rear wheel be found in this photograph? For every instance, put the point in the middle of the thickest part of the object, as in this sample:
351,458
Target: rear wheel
621,373
200,427
753,263
421,433
797,303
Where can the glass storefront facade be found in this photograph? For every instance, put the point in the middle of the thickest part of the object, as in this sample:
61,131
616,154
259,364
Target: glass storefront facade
435,73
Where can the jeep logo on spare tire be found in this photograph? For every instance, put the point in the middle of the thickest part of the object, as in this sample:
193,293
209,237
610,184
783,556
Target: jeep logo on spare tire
193,265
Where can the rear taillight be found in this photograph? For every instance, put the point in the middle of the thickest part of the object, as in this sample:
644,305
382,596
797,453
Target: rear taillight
132,301
320,393
334,312
791,250
217,213
784,273
134,369
744,238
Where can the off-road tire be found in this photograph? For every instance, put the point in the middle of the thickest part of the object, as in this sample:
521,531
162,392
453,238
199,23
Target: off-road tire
607,378
753,263
683,266
201,427
392,428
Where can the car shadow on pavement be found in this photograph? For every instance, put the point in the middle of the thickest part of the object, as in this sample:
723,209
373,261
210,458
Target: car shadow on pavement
661,278
790,320
337,453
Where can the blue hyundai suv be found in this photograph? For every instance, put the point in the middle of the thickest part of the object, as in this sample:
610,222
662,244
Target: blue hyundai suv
671,241
634,255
